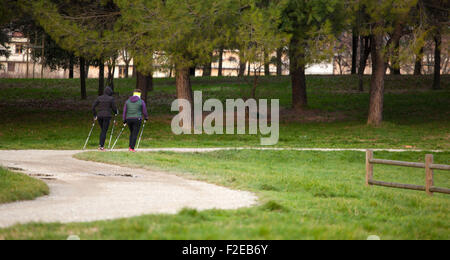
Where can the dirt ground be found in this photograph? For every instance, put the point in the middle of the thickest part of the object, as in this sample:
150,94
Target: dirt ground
83,191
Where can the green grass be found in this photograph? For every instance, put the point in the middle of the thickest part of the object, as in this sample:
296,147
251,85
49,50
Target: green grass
303,195
47,114
17,187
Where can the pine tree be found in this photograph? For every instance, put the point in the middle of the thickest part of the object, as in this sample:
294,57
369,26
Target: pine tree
258,35
171,33
85,28
313,26
386,21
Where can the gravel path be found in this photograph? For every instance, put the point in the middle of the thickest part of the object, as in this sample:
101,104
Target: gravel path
83,191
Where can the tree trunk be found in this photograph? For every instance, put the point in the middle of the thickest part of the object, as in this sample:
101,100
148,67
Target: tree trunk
255,86
111,73
192,72
377,83
207,70
299,95
144,83
34,53
83,78
280,62
298,77
444,68
362,64
184,89
266,64
365,50
71,67
43,56
242,67
396,59
183,84
101,77
221,62
355,38
418,63
109,81
437,61
127,68
28,59
88,64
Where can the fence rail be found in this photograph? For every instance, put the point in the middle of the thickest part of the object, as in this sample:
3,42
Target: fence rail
429,166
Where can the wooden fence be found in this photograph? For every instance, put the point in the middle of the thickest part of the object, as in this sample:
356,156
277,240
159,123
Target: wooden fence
429,166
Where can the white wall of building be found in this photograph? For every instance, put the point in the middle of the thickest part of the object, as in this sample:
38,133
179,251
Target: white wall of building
320,69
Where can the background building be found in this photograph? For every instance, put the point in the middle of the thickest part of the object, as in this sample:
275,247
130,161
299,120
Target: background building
20,64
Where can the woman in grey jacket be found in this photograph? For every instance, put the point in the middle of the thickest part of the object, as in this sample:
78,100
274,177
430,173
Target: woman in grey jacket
133,112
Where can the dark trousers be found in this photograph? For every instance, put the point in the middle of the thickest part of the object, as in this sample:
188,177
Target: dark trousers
104,125
135,127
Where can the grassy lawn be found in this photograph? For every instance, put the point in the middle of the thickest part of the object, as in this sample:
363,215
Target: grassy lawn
47,114
303,195
16,187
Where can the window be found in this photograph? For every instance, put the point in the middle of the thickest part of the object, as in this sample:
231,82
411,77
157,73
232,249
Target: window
17,35
11,67
19,49
232,59
122,72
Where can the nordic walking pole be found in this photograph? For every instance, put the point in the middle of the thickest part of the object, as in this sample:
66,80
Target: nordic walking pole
112,132
121,131
90,133
140,137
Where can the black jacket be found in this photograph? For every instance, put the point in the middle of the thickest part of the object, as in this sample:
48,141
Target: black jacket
105,104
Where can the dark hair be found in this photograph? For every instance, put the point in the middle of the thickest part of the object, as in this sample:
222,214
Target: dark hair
137,90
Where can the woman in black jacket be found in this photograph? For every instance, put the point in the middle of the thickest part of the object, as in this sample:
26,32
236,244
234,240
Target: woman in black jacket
106,107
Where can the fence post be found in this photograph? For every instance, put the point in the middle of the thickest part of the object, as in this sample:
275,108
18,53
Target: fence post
369,167
429,174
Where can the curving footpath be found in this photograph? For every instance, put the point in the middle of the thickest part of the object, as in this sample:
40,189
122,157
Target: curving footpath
83,191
